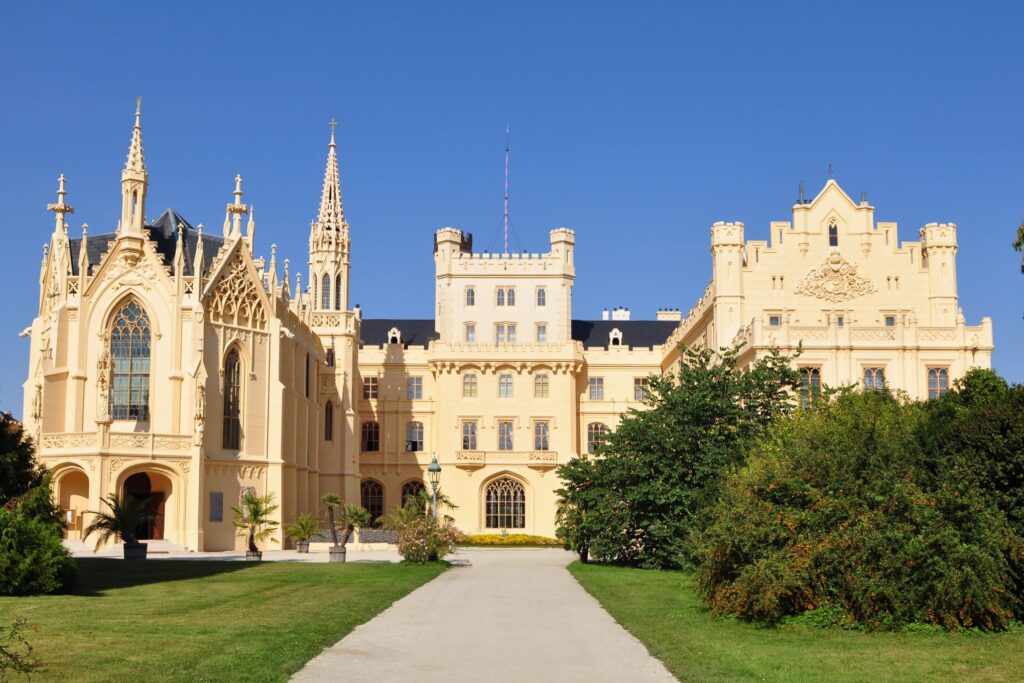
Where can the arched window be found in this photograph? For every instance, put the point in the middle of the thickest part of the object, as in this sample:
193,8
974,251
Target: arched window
411,490
232,401
337,292
506,504
833,234
129,353
414,437
874,379
501,296
511,297
370,437
810,386
325,292
596,435
329,422
470,296
542,297
371,497
938,382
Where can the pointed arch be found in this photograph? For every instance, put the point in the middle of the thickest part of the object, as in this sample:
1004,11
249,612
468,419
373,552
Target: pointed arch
130,356
337,292
231,438
504,502
325,292
371,497
329,421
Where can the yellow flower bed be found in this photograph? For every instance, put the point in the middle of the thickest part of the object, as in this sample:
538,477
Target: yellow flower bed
508,539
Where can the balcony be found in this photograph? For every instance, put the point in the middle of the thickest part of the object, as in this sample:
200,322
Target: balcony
538,460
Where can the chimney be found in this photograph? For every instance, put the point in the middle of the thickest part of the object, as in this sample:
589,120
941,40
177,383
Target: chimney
620,313
669,314
604,314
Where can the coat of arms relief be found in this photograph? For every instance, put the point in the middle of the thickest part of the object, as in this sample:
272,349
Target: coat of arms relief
836,280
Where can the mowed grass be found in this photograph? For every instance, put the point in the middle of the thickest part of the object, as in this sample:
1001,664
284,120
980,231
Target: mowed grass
662,609
185,620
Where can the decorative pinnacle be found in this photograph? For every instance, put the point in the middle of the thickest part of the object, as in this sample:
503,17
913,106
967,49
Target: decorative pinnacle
136,162
332,214
60,207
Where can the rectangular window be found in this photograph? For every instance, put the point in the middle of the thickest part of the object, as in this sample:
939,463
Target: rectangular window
330,358
890,321
505,386
810,386
470,333
505,435
501,296
542,333
641,388
469,435
370,438
414,437
510,296
541,387
499,334
469,385
597,388
840,321
542,297
774,320
370,385
541,429
511,334
216,506
414,388
470,296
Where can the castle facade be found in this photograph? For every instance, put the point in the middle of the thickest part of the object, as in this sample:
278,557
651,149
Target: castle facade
170,362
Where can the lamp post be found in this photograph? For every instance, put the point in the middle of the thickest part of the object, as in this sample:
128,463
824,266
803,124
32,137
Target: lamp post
434,472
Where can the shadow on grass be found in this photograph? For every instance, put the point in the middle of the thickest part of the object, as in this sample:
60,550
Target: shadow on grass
97,575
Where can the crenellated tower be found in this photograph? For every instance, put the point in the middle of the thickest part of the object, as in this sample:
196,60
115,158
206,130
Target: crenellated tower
329,242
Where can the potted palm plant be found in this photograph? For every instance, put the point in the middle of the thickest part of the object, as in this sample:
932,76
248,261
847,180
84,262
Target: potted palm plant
301,530
351,517
331,501
253,520
124,517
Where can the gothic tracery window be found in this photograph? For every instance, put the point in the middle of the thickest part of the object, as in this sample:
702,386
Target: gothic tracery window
505,504
371,495
329,421
411,490
597,432
325,292
232,438
810,386
833,234
337,292
130,336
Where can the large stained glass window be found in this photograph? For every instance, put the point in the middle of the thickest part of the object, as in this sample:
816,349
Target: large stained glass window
232,401
506,504
129,351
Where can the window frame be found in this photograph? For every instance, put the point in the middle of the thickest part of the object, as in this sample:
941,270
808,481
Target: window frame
414,387
506,385
135,391
641,388
414,437
809,386
941,377
371,387
506,432
470,381
873,378
542,385
597,433
598,384
542,435
542,297
470,435
231,436
329,420
369,430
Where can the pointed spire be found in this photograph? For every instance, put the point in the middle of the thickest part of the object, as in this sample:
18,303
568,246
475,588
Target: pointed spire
236,210
250,228
331,215
83,255
134,180
197,262
285,286
60,208
179,252
273,269
136,162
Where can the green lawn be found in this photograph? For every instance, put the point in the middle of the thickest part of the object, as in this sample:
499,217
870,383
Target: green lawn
663,611
185,620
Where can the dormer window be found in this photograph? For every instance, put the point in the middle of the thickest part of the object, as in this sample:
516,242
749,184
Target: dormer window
394,336
615,337
833,234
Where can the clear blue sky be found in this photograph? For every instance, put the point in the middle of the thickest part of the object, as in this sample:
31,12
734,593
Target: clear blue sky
636,124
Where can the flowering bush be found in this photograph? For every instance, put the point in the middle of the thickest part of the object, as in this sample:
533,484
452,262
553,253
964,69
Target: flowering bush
509,539
424,540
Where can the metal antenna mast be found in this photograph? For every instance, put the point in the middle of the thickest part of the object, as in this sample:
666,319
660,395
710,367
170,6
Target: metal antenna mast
505,220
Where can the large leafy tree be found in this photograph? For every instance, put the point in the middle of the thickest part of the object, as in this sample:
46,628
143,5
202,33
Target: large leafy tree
640,500
19,471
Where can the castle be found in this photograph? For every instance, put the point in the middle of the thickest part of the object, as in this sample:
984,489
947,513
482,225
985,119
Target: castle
170,362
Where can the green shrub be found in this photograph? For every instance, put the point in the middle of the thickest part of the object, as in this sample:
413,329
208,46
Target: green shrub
508,539
845,508
32,558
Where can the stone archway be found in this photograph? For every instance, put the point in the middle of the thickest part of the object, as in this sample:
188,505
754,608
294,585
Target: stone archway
72,495
159,489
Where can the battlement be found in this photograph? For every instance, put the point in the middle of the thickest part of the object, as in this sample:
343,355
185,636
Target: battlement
938,235
453,246
727,234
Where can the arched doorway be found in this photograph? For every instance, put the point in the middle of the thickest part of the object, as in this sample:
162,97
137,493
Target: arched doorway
157,488
73,499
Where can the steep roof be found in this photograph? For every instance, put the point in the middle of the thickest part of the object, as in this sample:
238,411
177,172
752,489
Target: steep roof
593,333
164,233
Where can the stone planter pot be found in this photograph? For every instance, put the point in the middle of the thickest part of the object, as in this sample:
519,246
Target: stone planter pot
251,556
337,553
302,546
135,552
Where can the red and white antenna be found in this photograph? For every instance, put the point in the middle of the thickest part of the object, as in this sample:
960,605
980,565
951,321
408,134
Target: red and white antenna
505,220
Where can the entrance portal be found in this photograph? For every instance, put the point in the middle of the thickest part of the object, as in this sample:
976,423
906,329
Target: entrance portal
157,488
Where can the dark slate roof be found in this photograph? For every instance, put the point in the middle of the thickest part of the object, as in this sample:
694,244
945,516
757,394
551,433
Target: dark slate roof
415,332
637,333
593,333
164,233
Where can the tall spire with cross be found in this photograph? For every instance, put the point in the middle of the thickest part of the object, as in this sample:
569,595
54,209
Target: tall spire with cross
332,214
60,209
134,180
329,240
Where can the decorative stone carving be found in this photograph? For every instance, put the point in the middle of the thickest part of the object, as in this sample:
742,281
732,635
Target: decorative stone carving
836,280
103,385
200,415
235,299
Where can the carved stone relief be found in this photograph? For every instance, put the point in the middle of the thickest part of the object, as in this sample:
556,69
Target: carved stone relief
836,280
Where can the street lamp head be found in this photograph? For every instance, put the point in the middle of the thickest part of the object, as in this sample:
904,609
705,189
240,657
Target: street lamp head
434,472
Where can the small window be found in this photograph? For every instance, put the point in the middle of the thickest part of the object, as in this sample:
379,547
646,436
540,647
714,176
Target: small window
541,430
307,375
499,334
505,386
370,387
469,435
470,333
510,296
810,386
596,435
890,321
840,321
325,292
541,387
414,388
414,437
774,320
542,297
874,379
938,382
470,296
330,358
833,235
329,422
505,435
641,388
469,386
370,437
511,334
501,296
337,292
597,388
615,337
542,333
